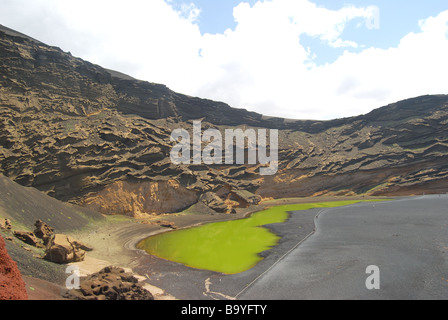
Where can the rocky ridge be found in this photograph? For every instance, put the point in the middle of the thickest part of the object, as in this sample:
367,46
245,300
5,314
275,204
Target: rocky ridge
95,137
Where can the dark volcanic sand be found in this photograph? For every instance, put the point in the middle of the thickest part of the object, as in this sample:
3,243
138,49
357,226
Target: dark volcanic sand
406,238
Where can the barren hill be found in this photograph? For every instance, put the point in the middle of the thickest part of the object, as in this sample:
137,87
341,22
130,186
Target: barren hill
99,138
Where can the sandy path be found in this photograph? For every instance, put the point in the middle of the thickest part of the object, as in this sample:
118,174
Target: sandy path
114,244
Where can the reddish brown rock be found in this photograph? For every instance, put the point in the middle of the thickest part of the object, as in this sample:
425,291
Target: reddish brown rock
12,286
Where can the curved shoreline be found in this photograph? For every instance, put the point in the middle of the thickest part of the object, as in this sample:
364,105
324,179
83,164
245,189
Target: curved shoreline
230,247
116,244
261,207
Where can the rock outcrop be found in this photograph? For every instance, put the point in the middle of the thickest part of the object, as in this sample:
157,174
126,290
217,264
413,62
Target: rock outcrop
139,199
43,231
29,238
12,286
214,202
64,249
111,283
5,224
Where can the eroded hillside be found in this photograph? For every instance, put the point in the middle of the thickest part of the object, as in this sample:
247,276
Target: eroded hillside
95,137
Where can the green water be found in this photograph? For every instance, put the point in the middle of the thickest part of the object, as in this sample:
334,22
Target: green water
229,247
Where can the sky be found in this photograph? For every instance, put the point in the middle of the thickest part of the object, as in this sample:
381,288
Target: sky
300,59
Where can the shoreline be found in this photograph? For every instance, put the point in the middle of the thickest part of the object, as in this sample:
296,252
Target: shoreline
115,242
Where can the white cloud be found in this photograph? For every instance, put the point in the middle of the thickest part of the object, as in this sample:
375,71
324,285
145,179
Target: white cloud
376,77
280,78
260,65
144,38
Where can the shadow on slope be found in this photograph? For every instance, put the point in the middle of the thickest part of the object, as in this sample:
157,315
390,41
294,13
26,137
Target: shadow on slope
23,206
27,205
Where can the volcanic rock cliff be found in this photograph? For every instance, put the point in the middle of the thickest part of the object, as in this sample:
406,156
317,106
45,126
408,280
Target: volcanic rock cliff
96,137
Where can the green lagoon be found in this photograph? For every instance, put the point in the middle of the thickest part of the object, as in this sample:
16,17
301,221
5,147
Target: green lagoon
228,247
